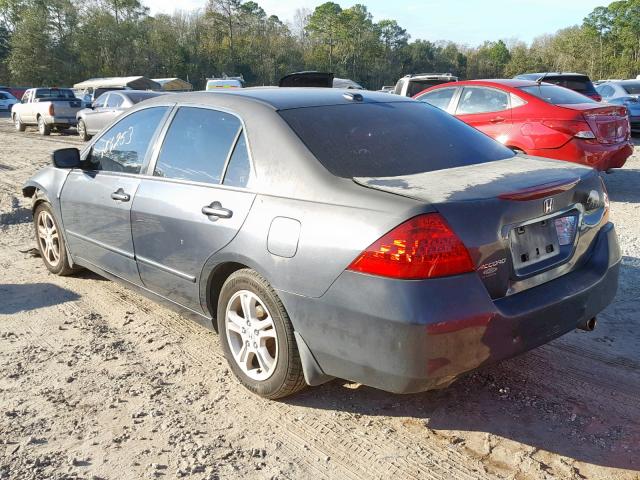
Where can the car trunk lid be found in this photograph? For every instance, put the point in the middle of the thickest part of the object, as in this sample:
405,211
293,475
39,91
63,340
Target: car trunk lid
501,212
610,124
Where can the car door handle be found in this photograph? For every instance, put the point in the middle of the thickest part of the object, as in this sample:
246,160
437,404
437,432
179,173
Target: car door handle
497,120
216,210
120,195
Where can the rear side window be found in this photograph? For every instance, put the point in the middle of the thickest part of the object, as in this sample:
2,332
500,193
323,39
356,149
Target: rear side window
556,95
239,168
482,100
390,139
124,147
197,145
438,98
55,93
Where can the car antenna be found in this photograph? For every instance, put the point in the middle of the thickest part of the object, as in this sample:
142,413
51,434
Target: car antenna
539,81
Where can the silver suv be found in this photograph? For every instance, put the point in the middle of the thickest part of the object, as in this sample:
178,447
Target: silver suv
411,85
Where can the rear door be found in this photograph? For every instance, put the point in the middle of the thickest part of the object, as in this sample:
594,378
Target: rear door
487,109
96,201
193,203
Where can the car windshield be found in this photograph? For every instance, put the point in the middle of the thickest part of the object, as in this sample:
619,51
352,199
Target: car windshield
632,88
390,139
557,95
54,93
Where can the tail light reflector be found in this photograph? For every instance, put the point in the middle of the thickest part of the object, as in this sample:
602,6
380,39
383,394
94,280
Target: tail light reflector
422,247
51,110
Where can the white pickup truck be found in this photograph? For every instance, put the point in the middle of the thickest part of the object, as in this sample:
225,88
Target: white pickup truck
48,108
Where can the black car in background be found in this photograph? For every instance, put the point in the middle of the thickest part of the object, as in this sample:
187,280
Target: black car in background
578,82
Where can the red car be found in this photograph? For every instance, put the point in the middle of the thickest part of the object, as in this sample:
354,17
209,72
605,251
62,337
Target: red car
539,119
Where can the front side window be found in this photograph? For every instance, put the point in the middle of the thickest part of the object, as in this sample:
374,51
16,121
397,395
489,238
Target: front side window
114,100
25,97
606,91
438,98
632,88
124,147
482,100
197,145
101,100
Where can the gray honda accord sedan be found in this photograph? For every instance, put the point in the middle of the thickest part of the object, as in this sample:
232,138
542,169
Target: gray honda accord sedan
325,233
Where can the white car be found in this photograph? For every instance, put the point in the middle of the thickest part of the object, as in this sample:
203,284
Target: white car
7,101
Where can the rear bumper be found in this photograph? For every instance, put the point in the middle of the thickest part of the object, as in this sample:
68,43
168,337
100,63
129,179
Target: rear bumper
599,156
410,336
62,121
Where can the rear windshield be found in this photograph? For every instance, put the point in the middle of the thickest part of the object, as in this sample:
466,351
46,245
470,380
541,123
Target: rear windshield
390,139
55,93
632,88
579,83
557,95
140,96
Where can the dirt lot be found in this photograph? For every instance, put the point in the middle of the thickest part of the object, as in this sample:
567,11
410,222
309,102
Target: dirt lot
97,382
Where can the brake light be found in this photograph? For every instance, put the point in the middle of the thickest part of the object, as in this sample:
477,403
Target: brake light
422,247
575,128
51,109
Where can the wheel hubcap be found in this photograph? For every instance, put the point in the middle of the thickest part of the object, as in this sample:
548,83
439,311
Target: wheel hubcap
48,238
251,334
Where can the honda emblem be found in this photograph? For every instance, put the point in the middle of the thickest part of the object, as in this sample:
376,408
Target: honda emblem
547,205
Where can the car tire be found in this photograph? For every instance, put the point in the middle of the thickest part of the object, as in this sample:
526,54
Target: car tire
50,241
20,127
43,128
260,347
82,131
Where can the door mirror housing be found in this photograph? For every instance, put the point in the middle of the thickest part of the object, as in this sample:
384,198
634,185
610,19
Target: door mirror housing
66,158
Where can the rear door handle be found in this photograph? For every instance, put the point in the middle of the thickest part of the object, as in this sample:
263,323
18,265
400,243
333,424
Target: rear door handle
216,210
120,195
497,120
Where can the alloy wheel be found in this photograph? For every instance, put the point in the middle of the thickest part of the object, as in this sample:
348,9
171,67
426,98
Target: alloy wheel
252,335
48,238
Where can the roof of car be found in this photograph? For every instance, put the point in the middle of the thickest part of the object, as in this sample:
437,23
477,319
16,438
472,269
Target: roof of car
287,97
621,82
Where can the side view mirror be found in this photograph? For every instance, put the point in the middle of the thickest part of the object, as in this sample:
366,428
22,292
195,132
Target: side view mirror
66,158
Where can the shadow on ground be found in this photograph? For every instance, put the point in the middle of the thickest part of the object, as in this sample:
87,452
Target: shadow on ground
550,398
16,298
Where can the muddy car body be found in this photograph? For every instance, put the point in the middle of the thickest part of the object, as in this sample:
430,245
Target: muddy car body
384,242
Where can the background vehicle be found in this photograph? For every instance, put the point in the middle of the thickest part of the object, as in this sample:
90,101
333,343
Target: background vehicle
577,82
227,82
387,89
318,79
47,108
7,101
623,92
17,92
409,85
107,107
540,119
356,272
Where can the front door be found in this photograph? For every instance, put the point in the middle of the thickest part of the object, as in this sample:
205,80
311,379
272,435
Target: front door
193,205
486,109
96,201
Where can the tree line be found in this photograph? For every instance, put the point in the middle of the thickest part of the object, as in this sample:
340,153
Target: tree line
61,42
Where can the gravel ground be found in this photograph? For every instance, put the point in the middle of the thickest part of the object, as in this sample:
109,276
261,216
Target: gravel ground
97,382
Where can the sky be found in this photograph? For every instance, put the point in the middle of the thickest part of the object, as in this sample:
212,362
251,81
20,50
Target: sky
467,22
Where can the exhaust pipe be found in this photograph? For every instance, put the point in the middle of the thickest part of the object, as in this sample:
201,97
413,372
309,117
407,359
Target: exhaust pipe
588,325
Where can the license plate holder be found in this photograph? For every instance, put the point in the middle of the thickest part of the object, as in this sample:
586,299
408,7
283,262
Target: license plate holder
534,243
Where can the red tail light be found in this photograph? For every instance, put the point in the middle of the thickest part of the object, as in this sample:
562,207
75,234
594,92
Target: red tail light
575,128
596,96
423,247
51,110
